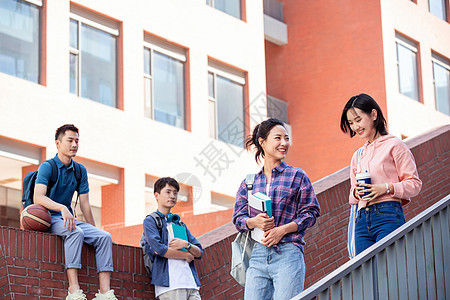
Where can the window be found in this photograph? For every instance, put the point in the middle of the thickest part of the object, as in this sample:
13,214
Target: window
441,78
438,8
231,7
407,67
277,108
20,39
164,82
93,58
226,104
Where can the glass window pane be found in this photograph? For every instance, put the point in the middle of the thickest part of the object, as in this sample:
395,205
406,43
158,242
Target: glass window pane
442,88
212,119
407,72
74,34
437,8
277,108
74,73
168,80
19,33
98,65
147,97
231,7
211,85
230,111
147,61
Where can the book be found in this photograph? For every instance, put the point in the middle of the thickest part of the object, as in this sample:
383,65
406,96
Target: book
178,231
259,203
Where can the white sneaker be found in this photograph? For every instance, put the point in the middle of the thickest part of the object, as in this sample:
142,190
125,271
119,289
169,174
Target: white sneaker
77,295
109,295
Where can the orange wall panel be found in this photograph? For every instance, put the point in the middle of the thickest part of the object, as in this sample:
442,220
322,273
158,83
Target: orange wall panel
334,51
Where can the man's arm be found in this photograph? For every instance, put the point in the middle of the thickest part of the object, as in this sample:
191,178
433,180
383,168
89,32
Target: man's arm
40,197
86,209
177,254
178,244
153,238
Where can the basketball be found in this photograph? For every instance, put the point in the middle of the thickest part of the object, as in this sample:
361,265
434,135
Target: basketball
36,217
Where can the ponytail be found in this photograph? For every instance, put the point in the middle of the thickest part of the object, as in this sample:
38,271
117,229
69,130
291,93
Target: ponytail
261,131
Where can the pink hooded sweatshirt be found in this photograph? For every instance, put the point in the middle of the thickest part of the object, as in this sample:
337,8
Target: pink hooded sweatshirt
388,160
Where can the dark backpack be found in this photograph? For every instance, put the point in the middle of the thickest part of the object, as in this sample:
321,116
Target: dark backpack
30,180
148,258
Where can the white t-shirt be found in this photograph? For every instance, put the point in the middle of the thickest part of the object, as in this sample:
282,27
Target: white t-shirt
180,274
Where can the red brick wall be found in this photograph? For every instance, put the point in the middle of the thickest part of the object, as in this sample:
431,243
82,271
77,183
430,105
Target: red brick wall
334,51
198,225
31,264
326,247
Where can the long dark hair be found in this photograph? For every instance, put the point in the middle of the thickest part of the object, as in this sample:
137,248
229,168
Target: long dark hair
365,103
261,131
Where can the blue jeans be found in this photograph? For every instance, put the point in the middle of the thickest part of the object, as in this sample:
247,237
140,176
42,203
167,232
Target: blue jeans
375,222
275,275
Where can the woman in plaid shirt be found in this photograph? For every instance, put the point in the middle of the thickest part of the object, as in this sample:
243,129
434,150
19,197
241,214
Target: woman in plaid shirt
277,267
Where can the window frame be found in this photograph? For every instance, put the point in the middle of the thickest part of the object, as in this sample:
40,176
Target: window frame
104,24
175,52
445,9
243,16
442,61
41,73
236,76
413,46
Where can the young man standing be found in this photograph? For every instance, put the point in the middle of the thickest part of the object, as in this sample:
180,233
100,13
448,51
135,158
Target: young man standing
74,232
173,271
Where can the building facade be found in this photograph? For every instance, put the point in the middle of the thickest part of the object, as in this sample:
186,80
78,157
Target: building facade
324,52
156,88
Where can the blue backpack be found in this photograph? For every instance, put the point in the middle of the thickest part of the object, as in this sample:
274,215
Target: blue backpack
30,180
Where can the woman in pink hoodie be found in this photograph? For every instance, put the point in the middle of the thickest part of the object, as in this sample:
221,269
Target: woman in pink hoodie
393,172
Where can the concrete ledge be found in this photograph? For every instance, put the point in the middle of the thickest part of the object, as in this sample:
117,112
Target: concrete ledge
275,31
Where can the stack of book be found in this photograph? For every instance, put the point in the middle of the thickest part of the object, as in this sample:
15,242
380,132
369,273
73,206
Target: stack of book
259,203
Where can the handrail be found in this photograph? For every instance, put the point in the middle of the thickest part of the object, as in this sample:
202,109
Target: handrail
370,252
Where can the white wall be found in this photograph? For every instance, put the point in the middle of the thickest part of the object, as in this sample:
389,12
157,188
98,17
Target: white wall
407,116
31,112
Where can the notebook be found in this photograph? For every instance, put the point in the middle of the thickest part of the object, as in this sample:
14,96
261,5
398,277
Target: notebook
178,231
259,203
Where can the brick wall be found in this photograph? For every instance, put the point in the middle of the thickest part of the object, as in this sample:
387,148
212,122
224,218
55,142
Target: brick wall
31,263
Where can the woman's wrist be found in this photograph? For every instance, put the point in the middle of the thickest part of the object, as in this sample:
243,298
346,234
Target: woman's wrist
249,223
391,189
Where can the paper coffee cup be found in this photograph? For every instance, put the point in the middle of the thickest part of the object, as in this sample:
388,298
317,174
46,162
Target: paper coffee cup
364,178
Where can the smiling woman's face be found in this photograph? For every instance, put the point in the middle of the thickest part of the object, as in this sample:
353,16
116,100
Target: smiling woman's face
362,123
276,145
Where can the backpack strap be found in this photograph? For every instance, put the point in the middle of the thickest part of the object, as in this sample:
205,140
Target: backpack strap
358,154
77,172
54,176
249,180
159,225
158,221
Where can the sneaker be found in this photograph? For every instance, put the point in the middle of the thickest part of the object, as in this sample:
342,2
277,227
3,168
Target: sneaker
77,295
109,295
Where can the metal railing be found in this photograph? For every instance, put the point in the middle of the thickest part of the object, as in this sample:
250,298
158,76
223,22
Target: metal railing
274,9
413,262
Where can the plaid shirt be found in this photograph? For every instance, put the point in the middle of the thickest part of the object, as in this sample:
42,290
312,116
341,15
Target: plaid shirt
293,199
